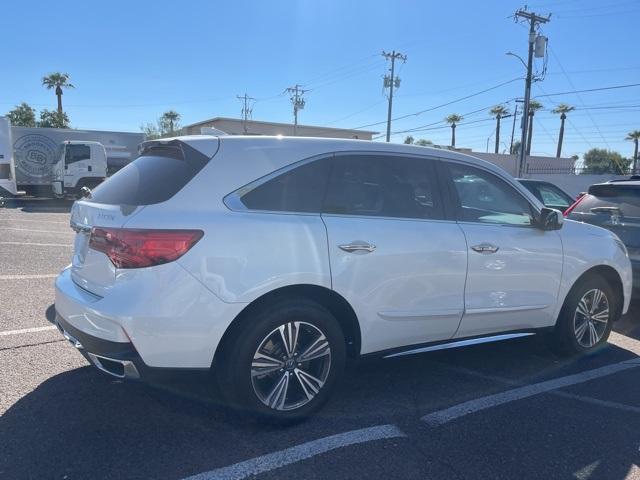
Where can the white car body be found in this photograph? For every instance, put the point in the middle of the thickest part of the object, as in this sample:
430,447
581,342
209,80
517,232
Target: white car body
423,285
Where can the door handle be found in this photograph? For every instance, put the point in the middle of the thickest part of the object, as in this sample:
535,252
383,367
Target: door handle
485,248
357,247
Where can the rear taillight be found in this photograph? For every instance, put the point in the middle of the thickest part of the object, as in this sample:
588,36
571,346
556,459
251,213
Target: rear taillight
573,205
129,248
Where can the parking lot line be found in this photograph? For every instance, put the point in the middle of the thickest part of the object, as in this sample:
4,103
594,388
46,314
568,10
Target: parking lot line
33,244
28,277
27,330
14,219
446,415
38,231
271,461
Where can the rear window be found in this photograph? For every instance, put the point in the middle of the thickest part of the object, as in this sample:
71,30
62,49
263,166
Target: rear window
154,177
624,197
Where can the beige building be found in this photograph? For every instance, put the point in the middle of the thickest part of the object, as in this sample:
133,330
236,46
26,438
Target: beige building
234,126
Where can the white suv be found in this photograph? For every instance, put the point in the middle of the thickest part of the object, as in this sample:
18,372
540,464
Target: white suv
269,261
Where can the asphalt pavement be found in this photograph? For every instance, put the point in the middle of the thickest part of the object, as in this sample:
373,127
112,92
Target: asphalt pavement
512,410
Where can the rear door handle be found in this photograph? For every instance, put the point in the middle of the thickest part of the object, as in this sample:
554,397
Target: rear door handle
485,248
357,247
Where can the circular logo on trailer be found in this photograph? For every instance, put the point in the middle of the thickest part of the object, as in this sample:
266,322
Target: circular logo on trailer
34,154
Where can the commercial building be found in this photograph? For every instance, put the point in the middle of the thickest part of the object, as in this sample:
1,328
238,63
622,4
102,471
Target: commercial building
234,126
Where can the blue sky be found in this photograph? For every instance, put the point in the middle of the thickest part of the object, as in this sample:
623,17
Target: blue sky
130,61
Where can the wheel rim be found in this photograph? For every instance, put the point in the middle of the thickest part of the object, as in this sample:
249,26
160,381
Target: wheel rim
290,366
591,318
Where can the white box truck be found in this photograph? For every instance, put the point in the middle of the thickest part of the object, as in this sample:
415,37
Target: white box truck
59,162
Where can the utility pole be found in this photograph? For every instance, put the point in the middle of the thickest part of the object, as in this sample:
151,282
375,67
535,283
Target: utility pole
298,103
534,20
391,82
247,109
513,129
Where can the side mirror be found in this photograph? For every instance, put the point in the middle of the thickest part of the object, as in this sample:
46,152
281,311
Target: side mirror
550,219
85,192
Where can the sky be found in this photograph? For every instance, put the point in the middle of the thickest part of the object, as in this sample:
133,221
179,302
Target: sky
131,61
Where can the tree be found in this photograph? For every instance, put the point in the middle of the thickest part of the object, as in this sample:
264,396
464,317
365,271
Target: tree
534,106
408,140
562,109
423,142
50,119
169,122
634,136
600,160
58,81
150,131
22,116
515,148
498,111
453,120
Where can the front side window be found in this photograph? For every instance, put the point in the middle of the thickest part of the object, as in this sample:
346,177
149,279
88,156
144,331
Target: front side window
485,198
383,186
77,153
298,190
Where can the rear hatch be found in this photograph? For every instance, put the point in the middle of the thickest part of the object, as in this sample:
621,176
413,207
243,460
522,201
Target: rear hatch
616,207
162,170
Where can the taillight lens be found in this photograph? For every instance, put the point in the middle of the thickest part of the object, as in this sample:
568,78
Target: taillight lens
129,248
574,205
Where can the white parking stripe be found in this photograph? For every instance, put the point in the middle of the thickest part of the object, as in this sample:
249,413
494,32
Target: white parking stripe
271,461
14,219
452,413
27,330
38,231
33,244
28,277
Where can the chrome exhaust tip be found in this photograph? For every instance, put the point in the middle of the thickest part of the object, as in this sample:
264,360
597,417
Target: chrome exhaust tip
123,369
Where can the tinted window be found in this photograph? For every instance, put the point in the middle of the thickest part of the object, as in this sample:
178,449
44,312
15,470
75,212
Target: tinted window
486,198
154,177
548,194
299,190
76,153
383,186
626,199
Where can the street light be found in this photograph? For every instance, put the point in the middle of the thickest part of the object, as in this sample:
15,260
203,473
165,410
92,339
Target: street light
518,57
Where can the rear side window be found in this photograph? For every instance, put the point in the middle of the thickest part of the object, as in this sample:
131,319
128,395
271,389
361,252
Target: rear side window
383,186
624,197
154,177
298,190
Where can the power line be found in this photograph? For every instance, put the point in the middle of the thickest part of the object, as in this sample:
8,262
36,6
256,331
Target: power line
613,87
415,114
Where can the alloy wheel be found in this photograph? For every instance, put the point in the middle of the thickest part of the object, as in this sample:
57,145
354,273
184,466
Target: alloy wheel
591,318
290,366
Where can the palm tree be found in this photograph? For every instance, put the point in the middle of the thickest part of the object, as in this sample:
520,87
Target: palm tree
452,120
170,119
634,136
534,106
58,81
498,111
562,109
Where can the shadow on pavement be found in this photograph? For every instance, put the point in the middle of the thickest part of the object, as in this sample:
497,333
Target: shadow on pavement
38,205
82,424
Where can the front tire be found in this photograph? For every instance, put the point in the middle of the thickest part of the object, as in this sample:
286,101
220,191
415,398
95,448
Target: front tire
586,318
283,361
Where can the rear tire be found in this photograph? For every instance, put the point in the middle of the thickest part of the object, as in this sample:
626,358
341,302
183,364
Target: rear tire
283,361
586,318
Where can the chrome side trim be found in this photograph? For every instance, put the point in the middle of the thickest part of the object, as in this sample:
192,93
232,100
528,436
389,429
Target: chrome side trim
521,308
419,314
461,343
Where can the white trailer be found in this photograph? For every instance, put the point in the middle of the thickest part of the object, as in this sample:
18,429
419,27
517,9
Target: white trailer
53,161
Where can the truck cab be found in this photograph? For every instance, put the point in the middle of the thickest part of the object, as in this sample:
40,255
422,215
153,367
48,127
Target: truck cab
80,164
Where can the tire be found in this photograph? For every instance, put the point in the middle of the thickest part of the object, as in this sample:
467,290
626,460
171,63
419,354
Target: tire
581,326
255,366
